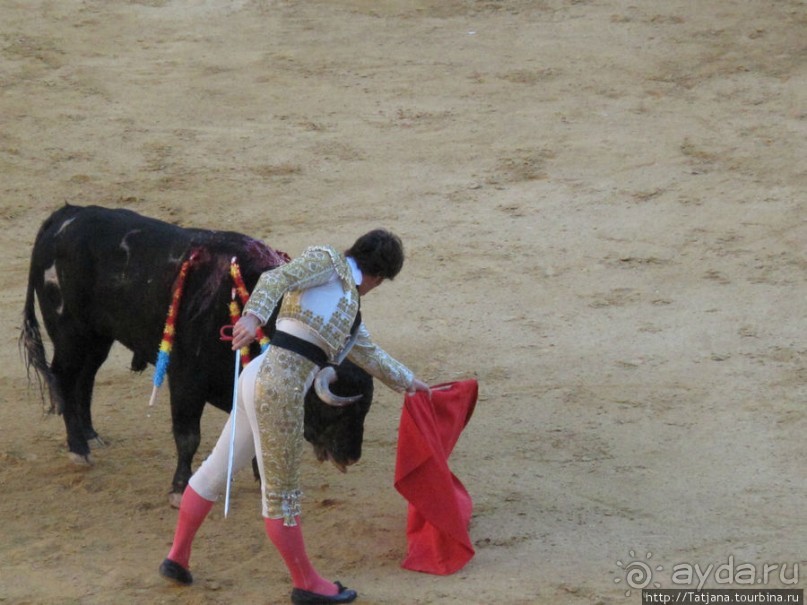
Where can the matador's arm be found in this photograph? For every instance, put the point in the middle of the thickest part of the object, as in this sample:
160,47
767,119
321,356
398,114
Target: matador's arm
379,364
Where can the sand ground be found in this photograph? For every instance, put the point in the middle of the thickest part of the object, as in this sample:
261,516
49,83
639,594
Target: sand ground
603,203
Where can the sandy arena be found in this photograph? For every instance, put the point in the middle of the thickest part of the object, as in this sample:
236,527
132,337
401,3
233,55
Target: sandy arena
603,204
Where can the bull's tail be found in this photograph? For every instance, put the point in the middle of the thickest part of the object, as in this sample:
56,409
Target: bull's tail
33,350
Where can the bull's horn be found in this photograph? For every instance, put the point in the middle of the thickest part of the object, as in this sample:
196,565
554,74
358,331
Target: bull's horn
326,377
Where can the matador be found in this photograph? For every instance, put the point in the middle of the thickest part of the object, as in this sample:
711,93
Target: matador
318,323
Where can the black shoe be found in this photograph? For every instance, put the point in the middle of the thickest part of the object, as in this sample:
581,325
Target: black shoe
171,570
303,597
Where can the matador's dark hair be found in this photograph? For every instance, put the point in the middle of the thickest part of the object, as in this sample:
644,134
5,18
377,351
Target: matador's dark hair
379,253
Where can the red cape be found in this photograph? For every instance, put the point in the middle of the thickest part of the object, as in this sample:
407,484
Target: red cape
439,505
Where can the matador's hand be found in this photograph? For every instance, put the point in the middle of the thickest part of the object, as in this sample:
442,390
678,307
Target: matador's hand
419,385
244,331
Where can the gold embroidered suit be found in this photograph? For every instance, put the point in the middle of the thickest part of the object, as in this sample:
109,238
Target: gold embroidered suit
280,384
315,267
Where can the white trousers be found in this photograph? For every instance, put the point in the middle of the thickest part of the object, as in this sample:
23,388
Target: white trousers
210,480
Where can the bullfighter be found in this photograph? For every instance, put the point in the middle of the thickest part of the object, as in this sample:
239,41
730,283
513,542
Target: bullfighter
318,324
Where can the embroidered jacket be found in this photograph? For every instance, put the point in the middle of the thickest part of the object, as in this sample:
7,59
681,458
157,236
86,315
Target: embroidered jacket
315,267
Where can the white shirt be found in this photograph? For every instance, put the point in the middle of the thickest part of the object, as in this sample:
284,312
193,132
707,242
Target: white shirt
321,301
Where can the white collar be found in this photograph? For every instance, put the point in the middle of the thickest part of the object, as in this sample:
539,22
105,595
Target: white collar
354,267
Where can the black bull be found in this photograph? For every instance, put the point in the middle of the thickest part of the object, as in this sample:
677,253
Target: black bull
104,275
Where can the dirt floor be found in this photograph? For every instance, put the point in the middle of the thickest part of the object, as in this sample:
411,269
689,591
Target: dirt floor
603,204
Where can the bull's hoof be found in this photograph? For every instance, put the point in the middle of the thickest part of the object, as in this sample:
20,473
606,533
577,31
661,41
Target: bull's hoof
171,570
81,460
341,466
174,499
96,441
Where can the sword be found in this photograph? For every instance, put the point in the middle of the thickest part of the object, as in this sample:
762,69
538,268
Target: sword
232,434
233,414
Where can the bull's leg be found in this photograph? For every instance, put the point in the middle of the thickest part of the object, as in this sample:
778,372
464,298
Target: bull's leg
96,354
67,368
186,415
75,368
65,372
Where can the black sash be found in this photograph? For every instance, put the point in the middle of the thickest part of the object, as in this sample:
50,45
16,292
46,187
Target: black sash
306,349
309,350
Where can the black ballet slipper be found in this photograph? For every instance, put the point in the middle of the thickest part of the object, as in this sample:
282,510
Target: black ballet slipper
304,597
171,570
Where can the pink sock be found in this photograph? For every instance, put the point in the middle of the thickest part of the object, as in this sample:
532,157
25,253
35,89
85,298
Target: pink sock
289,542
192,512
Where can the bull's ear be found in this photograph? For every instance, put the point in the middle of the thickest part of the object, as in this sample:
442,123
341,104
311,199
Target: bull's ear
326,377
